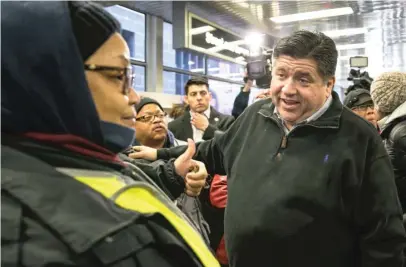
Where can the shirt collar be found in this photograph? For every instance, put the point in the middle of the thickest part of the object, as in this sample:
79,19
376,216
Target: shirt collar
315,115
206,112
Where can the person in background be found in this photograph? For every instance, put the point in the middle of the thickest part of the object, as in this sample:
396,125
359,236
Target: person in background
388,92
309,182
177,111
242,99
66,106
151,128
202,120
360,102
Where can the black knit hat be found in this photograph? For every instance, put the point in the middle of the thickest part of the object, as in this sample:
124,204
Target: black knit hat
145,101
92,26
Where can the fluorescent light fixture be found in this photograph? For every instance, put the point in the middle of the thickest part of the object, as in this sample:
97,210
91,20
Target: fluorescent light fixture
351,46
203,29
346,32
313,15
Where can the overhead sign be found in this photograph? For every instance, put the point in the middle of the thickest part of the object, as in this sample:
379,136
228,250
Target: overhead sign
195,33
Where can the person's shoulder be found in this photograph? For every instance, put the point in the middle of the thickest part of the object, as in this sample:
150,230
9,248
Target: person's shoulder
176,121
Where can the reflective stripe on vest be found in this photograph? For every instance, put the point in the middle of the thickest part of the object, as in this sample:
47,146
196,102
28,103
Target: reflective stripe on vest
142,200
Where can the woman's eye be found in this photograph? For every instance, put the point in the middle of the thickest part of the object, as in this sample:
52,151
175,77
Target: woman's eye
120,77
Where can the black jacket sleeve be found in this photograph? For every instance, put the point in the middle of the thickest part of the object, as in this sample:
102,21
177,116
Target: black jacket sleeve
240,103
224,124
209,152
162,173
378,215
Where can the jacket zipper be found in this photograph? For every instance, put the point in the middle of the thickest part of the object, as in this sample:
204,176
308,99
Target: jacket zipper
284,140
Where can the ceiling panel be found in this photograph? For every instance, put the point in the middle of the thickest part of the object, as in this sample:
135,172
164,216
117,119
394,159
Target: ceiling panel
385,22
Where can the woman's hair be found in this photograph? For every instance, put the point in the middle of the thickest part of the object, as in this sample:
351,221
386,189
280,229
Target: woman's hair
177,110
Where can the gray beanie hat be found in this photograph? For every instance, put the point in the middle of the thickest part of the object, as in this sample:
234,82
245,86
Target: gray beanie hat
388,91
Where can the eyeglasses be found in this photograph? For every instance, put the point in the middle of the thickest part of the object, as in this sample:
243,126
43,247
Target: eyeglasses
364,107
151,117
127,72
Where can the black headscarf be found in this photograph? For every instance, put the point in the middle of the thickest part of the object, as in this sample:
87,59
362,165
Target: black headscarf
44,89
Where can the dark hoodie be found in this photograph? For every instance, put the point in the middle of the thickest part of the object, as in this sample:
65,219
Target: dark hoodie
49,121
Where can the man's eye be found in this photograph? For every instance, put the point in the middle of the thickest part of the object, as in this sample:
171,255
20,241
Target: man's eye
304,81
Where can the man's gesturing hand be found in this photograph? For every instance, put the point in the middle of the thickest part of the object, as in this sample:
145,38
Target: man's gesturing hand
195,172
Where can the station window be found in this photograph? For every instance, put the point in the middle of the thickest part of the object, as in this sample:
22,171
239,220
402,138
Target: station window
180,59
174,82
225,69
133,29
139,80
224,95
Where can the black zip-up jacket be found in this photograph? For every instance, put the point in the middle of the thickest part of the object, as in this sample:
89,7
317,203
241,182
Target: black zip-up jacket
323,195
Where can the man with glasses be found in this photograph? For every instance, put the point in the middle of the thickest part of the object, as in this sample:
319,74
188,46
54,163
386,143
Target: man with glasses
151,128
360,102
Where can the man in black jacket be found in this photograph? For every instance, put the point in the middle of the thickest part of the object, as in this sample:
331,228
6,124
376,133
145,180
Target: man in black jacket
388,92
67,199
200,121
309,182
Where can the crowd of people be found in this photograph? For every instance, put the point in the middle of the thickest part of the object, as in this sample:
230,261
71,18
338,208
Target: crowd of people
94,175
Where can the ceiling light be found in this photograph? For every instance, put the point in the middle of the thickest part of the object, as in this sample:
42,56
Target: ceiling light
200,30
313,15
351,46
345,32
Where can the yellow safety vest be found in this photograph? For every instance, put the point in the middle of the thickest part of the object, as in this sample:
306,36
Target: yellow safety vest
143,198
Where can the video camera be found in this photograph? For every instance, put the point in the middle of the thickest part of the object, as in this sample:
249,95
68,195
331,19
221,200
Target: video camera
361,80
259,69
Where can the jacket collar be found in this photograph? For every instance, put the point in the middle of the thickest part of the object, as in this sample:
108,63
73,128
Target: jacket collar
330,118
386,123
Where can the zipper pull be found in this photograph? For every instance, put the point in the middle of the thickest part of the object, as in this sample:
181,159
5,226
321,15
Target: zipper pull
284,141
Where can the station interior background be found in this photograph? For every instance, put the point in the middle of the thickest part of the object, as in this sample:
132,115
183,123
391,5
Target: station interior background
376,29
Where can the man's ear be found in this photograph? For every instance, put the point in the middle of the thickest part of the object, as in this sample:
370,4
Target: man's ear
185,99
330,84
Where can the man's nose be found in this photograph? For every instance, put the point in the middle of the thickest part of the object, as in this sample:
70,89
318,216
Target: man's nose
133,97
157,119
370,111
289,87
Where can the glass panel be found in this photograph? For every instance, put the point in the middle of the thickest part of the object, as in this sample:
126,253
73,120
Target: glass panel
174,83
139,80
225,69
133,29
224,95
180,59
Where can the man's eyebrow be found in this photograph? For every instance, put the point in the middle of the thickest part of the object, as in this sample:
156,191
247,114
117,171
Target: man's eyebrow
303,74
